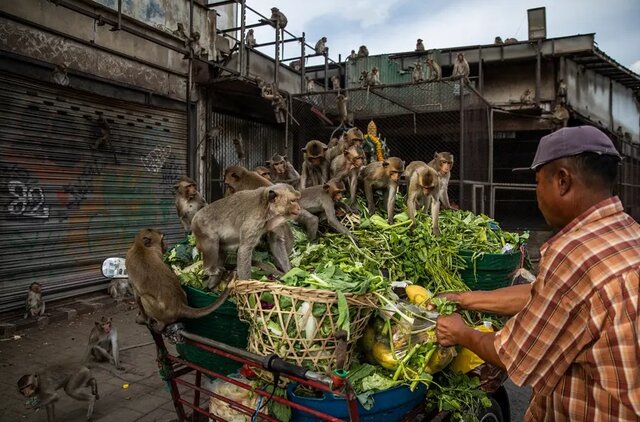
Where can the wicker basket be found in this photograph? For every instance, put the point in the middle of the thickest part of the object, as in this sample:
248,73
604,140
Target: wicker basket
283,327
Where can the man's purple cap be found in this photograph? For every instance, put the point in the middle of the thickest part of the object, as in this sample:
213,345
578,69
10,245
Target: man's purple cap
570,141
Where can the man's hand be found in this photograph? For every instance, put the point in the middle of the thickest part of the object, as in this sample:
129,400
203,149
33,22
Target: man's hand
451,329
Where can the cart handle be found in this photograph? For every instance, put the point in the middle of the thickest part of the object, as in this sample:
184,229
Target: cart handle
271,362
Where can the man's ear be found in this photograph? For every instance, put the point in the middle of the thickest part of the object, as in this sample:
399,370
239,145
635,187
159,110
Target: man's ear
564,181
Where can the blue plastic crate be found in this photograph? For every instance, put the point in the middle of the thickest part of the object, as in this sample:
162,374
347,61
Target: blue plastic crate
389,405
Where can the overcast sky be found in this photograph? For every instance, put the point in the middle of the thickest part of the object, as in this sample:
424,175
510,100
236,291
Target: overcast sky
388,26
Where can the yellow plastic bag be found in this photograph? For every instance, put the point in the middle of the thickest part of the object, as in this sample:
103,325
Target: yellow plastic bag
466,360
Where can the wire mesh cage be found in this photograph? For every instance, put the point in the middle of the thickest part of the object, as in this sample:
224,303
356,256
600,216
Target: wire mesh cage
414,120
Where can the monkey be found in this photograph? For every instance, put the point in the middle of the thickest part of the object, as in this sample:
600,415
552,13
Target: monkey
278,19
352,57
419,45
238,145
435,71
525,98
423,183
498,40
296,65
237,178
321,200
562,92
180,33
417,75
59,75
335,83
250,39
263,171
188,200
382,175
364,78
105,133
282,171
34,306
461,68
195,49
561,116
363,51
443,164
342,104
157,289
103,343
280,239
351,137
120,288
321,46
510,41
374,77
619,133
311,85
315,166
40,387
237,222
347,166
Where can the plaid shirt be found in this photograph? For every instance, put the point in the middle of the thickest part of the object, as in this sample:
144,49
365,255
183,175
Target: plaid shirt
576,340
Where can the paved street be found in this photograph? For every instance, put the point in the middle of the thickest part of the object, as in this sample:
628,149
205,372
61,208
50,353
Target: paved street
145,399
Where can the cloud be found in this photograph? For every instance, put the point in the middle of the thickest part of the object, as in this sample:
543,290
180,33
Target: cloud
394,25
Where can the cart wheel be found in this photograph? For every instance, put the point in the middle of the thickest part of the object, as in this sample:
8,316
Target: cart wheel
491,414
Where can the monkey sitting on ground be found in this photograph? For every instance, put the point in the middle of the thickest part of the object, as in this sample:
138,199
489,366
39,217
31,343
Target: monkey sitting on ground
382,175
119,288
103,343
34,306
263,172
443,164
237,222
161,299
188,200
422,183
40,387
347,167
315,166
282,171
321,200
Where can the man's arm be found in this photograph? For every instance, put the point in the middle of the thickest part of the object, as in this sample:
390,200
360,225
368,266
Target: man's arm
506,301
452,330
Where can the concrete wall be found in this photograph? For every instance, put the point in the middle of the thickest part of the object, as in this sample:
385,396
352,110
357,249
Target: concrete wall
505,82
602,100
40,30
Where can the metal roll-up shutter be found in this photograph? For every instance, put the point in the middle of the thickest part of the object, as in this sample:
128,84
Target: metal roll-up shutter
75,190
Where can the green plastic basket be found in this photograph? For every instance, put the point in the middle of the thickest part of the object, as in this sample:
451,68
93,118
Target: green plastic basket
491,271
221,325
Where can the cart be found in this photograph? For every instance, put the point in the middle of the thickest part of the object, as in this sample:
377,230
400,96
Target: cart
177,372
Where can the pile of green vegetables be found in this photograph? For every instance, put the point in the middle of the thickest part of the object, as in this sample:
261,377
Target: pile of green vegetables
384,253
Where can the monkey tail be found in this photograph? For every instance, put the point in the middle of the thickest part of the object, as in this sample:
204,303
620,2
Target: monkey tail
194,313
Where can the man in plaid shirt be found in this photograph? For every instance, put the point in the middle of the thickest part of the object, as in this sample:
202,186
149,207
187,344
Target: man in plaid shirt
573,332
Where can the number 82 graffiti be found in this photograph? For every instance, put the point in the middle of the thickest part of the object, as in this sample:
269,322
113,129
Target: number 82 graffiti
29,200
